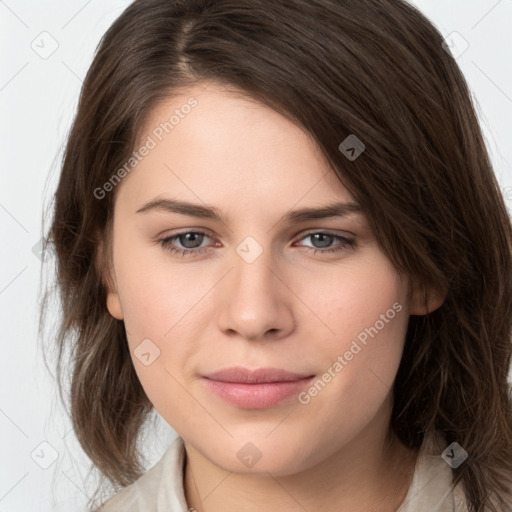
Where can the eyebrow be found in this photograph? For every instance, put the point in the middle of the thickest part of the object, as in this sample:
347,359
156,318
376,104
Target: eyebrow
338,209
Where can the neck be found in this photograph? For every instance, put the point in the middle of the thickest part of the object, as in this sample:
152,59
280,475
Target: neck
370,473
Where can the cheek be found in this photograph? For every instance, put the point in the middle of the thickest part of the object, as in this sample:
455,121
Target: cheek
365,310
155,295
160,333
359,297
162,310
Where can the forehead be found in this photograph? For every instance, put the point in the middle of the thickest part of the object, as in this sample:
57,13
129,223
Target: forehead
216,145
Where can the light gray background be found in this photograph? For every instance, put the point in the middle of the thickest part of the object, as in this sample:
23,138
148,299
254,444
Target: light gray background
38,97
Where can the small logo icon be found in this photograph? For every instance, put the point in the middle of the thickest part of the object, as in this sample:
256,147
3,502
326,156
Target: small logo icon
146,352
352,147
249,454
455,44
44,455
454,455
37,250
249,249
45,45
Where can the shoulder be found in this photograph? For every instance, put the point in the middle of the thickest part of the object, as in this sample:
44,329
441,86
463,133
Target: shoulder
431,487
160,488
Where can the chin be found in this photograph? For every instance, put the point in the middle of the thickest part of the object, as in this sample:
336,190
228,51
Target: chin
261,456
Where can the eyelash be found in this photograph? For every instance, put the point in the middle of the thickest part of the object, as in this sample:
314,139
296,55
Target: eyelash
166,243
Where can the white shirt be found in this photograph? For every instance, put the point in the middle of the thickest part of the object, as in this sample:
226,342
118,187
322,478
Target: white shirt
161,488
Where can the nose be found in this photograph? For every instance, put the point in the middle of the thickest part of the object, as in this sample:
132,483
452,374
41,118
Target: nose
256,301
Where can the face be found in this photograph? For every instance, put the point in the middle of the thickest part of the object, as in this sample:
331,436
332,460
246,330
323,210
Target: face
254,288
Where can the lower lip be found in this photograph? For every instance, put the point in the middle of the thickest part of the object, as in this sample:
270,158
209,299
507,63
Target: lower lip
256,396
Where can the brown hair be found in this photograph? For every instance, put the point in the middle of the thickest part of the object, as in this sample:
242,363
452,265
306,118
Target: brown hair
373,68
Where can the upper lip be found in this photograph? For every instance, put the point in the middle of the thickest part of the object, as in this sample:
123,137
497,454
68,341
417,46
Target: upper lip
259,375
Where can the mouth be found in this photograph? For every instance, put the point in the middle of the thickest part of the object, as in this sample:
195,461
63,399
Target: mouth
255,389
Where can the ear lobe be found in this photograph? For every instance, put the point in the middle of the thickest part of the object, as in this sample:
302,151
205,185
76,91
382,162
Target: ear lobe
104,268
114,305
424,302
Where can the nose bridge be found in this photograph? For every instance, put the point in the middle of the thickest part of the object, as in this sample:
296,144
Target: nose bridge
254,270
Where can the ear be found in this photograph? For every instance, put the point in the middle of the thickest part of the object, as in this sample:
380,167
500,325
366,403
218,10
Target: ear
424,301
104,266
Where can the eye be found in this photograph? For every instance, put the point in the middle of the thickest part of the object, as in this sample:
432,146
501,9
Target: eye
191,241
324,240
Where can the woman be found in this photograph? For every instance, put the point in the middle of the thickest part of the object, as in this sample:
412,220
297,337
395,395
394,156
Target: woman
277,224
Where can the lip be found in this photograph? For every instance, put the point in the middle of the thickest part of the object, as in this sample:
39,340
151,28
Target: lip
255,389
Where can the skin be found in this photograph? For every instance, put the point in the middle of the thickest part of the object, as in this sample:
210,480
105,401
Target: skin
289,308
